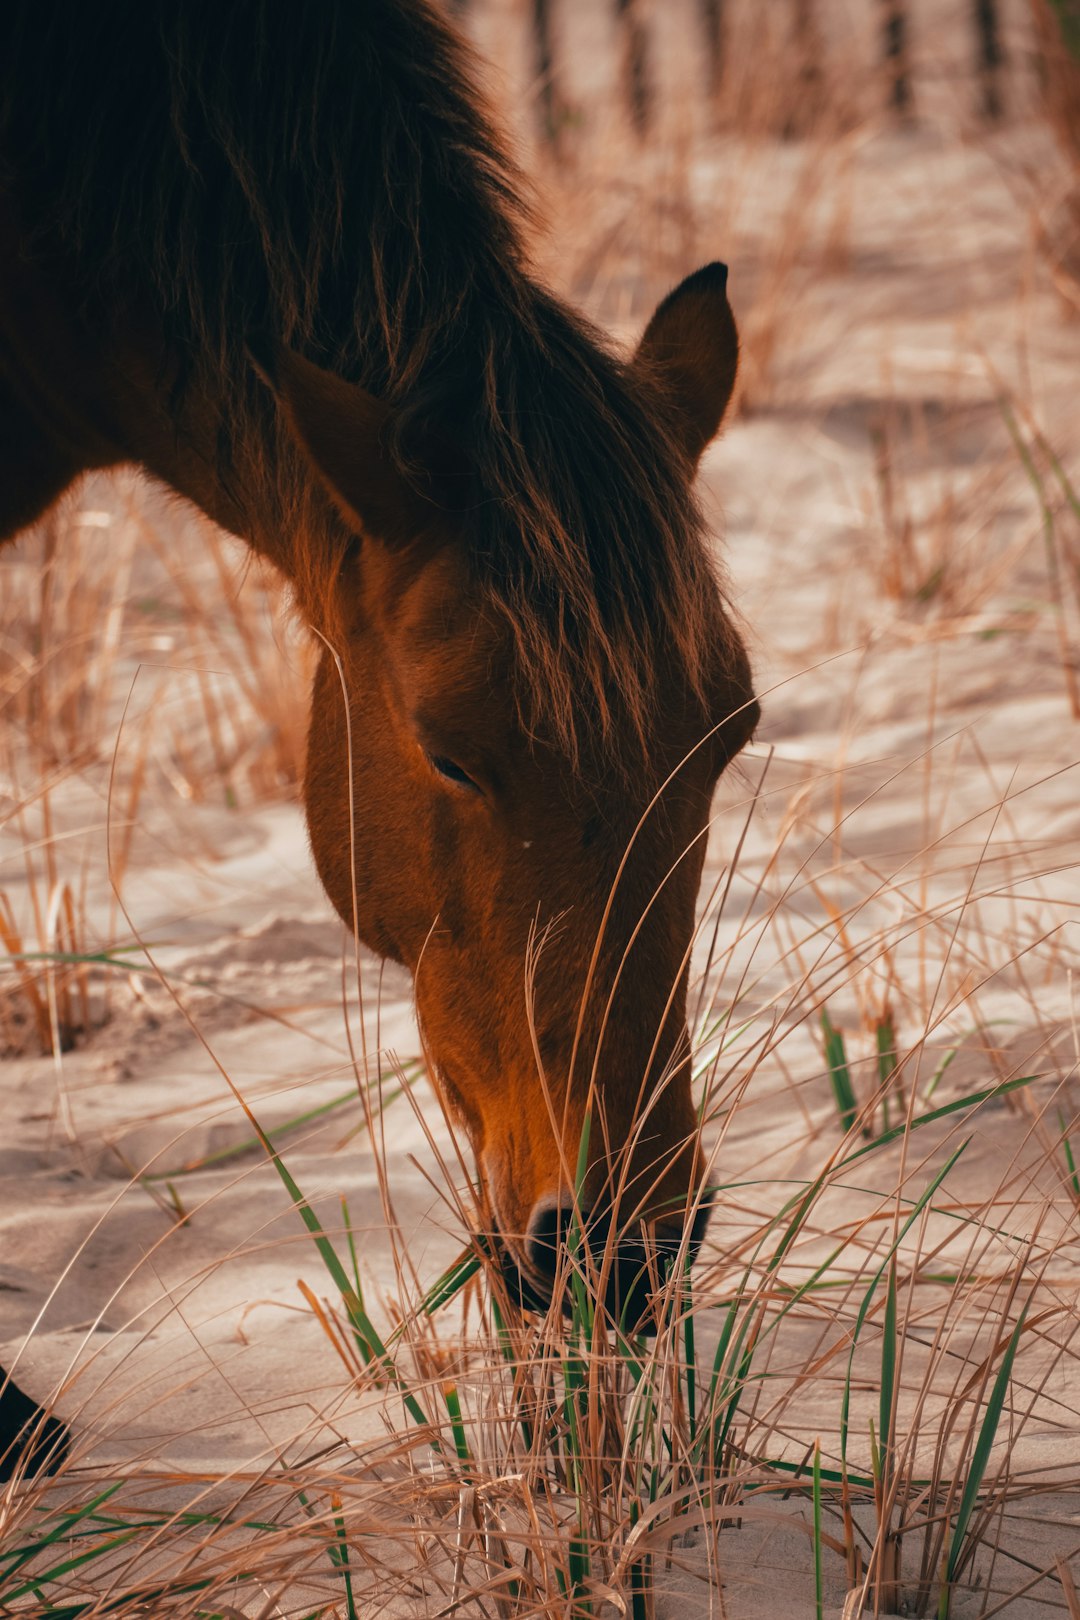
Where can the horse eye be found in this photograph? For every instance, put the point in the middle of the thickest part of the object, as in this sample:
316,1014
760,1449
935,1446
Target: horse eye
452,772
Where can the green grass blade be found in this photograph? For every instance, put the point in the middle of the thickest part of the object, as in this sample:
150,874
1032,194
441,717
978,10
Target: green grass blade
690,1352
839,1072
639,1576
736,1386
457,1426
353,1257
237,1149
19,1556
972,1100
875,1457
832,1476
342,1560
885,1044
802,1205
954,1052
578,1559
68,1565
368,1339
888,1368
819,1596
411,1071
919,1205
1068,20
1070,1159
581,1311
983,1447
443,1290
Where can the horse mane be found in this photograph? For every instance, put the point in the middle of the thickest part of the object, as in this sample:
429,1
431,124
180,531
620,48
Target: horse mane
327,173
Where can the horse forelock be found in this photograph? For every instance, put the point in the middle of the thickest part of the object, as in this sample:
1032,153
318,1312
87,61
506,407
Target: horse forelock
330,174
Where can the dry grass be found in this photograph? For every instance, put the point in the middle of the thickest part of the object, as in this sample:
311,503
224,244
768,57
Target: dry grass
1057,26
630,215
873,1371
127,689
904,1323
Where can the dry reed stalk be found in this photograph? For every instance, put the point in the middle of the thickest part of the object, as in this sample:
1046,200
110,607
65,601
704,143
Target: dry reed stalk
1068,1587
627,232
558,1469
75,629
1057,32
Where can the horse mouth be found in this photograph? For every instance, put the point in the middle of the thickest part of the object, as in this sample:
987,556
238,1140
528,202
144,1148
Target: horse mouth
528,1293
639,1275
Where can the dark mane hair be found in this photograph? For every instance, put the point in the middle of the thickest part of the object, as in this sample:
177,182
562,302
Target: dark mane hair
326,172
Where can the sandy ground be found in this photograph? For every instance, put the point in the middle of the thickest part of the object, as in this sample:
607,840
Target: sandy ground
917,760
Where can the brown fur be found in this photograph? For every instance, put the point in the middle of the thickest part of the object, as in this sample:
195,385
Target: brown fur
486,517
326,176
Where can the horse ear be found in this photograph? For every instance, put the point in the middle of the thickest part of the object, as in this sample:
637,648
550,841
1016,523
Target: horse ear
692,345
343,430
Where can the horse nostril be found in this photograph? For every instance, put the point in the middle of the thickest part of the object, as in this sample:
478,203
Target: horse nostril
549,1228
638,1262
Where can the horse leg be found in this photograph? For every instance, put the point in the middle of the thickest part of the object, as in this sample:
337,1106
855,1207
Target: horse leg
29,1440
35,469
34,472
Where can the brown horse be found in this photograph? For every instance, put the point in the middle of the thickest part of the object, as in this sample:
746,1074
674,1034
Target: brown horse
531,682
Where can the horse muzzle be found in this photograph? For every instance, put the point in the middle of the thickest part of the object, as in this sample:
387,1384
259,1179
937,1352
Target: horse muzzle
632,1269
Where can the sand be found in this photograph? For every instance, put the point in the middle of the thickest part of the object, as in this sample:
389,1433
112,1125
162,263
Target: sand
917,759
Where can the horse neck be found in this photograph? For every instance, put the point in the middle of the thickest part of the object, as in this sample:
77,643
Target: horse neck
189,439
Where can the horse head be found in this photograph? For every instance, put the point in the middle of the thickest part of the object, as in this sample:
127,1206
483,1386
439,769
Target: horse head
536,870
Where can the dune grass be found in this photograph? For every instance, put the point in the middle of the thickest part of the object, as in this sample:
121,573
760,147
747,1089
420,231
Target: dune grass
883,1319
124,630
565,1456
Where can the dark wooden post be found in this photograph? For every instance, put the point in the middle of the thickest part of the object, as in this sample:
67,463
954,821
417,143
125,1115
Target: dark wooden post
895,45
634,43
548,101
991,58
712,28
806,100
